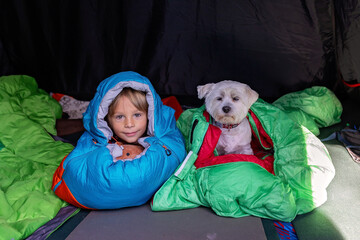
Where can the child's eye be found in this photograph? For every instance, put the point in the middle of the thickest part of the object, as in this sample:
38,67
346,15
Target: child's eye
119,117
137,114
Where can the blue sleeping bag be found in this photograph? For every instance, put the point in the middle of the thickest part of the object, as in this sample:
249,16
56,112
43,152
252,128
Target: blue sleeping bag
89,177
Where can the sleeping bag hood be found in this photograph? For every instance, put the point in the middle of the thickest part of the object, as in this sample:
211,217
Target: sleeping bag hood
90,177
287,175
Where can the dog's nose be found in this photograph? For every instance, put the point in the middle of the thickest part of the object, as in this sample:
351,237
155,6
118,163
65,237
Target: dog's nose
226,109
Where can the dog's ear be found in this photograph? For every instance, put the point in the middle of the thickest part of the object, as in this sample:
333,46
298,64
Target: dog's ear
203,90
252,96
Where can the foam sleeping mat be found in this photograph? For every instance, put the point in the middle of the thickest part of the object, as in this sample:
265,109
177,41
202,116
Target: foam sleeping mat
141,223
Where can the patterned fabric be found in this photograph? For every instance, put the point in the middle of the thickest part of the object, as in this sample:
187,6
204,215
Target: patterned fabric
72,107
285,230
350,137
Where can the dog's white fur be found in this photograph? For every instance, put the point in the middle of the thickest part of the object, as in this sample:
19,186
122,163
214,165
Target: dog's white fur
228,102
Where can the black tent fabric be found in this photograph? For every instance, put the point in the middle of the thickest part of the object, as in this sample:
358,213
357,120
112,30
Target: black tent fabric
347,30
276,47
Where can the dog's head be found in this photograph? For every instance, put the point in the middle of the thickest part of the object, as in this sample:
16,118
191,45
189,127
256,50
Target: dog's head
227,101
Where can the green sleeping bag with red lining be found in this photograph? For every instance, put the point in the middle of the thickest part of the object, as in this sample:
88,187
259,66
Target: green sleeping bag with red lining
287,175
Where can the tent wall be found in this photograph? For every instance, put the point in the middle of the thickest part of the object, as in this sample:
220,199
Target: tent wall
348,45
274,46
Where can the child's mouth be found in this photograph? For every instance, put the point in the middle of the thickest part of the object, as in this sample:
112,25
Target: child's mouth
130,134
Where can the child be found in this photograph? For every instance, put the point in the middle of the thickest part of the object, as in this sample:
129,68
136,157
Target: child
127,117
125,113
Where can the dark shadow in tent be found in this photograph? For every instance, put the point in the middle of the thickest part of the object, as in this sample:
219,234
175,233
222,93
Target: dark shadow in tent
317,225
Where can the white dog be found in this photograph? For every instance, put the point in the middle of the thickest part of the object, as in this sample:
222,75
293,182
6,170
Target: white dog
228,102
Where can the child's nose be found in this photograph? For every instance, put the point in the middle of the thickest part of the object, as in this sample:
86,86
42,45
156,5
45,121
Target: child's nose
129,122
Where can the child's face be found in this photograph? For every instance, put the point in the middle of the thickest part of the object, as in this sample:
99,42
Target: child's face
128,123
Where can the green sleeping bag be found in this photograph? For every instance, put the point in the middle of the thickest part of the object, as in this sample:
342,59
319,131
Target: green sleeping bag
287,175
28,156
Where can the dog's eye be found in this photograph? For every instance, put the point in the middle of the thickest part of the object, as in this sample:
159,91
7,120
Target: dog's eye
219,98
235,99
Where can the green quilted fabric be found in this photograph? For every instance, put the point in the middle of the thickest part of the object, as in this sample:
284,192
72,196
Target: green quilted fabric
28,156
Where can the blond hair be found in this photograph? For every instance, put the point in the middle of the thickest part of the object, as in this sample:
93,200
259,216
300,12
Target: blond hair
137,98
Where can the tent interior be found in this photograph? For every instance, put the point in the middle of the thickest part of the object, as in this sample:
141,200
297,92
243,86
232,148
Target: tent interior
275,47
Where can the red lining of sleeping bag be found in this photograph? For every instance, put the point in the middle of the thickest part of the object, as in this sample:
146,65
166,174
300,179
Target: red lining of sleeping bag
206,152
207,158
174,104
265,140
62,191
57,175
